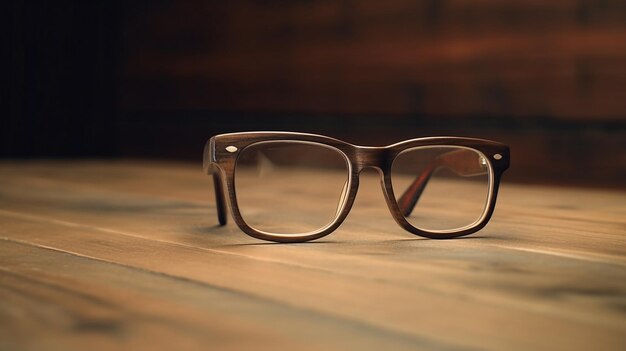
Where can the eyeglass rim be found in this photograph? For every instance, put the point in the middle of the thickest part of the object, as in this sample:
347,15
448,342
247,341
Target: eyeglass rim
358,157
487,201
303,234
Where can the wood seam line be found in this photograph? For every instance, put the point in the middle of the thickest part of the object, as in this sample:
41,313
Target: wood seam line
119,232
90,187
139,268
594,257
165,242
340,319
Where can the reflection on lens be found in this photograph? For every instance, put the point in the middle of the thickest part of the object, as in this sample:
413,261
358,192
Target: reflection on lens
441,188
290,187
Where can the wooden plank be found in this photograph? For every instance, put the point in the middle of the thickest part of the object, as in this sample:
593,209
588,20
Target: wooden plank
54,300
61,301
547,265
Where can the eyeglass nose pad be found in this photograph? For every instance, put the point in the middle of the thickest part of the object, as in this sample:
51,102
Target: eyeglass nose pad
342,200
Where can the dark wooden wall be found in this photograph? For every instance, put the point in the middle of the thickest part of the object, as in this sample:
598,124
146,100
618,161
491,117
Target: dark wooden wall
516,58
547,77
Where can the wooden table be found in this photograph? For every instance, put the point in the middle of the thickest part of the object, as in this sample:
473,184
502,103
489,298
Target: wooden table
127,254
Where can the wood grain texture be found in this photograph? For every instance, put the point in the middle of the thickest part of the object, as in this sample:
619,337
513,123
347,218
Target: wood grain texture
546,77
129,255
562,59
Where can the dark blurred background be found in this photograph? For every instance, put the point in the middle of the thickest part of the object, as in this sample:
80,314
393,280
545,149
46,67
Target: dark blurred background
155,79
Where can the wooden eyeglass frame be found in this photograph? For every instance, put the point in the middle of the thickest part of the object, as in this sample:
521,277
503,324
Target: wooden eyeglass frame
222,151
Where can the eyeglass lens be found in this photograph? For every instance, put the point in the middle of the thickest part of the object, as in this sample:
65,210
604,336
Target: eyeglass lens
441,188
306,182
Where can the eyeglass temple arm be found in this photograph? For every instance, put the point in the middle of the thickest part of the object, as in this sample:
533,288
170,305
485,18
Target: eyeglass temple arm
460,162
218,185
220,198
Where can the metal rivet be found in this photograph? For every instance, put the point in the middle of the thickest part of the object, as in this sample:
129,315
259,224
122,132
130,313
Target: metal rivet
497,156
231,148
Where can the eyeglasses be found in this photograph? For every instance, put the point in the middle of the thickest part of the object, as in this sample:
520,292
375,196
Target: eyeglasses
295,187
